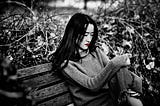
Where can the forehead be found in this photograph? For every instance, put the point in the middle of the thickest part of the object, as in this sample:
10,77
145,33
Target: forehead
90,28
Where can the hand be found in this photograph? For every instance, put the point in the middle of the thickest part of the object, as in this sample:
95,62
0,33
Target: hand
122,60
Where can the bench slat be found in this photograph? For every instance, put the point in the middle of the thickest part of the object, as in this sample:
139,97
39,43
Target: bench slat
49,91
34,70
40,80
58,101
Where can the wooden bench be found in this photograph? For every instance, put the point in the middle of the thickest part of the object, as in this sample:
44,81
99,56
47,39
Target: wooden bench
47,88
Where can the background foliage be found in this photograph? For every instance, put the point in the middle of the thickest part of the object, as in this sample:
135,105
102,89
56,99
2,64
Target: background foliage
29,38
134,28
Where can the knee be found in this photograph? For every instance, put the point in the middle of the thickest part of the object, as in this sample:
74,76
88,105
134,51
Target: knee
137,85
134,101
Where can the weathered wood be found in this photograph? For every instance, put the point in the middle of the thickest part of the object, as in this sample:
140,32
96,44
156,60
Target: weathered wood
30,71
49,91
47,88
41,80
58,101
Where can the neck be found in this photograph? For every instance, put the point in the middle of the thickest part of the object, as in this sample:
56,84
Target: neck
83,53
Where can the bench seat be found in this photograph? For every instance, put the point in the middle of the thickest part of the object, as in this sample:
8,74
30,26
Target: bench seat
47,88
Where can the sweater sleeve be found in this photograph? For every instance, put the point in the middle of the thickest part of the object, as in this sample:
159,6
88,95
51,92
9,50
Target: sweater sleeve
75,72
119,61
103,57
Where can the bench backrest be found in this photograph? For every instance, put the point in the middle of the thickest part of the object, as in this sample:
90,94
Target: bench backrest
48,89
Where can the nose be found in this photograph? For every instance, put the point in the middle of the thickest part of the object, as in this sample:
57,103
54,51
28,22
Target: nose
89,38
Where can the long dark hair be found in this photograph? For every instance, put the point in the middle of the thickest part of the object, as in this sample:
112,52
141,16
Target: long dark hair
73,35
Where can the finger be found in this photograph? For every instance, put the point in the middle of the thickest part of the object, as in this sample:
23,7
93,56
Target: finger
128,62
129,55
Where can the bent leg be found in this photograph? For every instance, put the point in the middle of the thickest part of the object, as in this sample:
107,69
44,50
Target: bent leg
137,84
121,82
129,80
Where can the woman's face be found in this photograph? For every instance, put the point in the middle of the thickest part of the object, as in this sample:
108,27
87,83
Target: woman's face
87,37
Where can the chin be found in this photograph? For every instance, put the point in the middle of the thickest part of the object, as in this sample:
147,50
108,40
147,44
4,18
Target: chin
85,48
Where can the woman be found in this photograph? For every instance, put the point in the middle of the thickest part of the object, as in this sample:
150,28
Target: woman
93,79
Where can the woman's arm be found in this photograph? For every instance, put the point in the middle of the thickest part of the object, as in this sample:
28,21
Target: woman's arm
75,72
121,60
102,57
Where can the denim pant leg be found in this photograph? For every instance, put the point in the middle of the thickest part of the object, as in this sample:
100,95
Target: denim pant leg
124,80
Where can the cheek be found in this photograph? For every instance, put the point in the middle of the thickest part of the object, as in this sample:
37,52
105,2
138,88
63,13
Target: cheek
82,42
84,39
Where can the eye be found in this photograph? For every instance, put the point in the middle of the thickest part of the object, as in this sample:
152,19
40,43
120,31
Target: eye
92,34
86,34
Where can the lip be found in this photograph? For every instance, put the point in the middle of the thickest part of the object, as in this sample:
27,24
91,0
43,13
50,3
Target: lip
87,44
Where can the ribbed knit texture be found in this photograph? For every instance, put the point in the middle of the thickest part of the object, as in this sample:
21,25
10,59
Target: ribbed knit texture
88,79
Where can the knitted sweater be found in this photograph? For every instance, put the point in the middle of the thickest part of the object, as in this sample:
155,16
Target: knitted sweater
88,79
